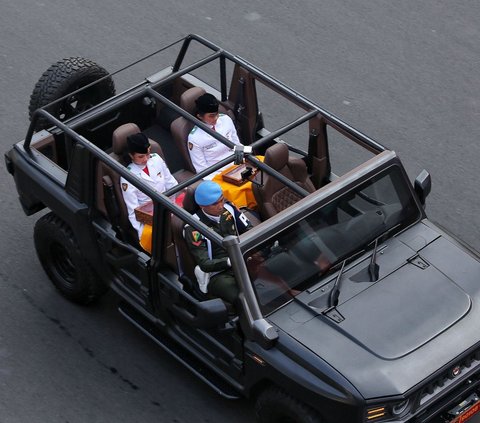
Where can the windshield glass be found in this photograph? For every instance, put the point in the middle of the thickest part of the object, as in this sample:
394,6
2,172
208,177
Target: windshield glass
296,258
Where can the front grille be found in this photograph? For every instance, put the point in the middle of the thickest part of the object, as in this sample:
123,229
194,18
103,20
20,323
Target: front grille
467,366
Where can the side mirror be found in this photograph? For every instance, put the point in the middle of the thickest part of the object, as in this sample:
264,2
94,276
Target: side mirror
423,186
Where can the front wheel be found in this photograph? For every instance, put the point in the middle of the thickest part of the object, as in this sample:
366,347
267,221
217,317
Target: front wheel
61,259
276,406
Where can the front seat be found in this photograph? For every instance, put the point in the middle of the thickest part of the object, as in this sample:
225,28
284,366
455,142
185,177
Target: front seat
273,196
186,262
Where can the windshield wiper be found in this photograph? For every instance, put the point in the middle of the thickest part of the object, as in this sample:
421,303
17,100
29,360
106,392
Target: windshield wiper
373,267
335,291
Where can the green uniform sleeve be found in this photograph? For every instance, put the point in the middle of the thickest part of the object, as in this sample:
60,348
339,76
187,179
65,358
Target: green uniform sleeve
197,244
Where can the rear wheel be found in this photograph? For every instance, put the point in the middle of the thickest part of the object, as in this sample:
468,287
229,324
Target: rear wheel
65,77
274,405
61,259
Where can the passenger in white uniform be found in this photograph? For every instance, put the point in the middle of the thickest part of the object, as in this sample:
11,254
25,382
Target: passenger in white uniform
204,149
152,169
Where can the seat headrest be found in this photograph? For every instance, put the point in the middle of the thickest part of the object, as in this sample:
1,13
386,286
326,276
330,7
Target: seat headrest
187,99
276,156
119,137
189,203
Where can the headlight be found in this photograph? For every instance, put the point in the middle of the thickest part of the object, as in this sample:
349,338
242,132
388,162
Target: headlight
384,412
400,408
376,413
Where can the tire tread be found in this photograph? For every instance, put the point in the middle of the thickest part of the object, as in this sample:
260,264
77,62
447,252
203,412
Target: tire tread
55,81
50,227
275,405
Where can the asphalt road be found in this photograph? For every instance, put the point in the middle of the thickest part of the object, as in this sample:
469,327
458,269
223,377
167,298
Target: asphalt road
406,73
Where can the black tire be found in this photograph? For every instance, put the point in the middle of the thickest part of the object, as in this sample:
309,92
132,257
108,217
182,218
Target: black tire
64,77
276,406
61,259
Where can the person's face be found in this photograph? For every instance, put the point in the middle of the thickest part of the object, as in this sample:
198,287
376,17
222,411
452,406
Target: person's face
140,159
216,208
209,118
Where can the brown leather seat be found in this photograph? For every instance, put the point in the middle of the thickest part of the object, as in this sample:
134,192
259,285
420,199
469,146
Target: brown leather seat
119,142
108,183
273,196
181,127
186,262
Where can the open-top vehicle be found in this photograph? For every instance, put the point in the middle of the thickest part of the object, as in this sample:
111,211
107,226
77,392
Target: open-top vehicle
354,307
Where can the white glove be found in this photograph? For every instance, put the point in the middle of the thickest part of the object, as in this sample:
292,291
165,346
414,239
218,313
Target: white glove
203,279
229,264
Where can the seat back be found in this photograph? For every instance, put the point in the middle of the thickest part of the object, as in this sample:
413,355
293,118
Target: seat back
108,187
181,127
273,196
186,262
119,143
116,210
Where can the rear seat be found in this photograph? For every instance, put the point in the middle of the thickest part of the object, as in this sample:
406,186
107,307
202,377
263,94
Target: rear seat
109,180
181,127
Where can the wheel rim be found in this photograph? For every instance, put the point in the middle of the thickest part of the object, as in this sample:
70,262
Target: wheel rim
62,265
77,103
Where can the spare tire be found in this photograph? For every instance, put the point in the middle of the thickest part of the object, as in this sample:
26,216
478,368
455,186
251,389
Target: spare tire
63,78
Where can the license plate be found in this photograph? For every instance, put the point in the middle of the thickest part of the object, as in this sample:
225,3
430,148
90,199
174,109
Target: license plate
467,411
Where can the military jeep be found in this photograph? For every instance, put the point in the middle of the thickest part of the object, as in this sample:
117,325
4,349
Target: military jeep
353,306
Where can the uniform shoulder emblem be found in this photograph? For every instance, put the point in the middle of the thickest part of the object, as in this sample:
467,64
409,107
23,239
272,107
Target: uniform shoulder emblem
196,238
124,186
193,129
228,215
153,155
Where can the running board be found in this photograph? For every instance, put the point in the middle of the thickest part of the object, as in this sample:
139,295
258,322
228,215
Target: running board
180,354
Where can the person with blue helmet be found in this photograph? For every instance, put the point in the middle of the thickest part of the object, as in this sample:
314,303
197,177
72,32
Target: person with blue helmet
214,272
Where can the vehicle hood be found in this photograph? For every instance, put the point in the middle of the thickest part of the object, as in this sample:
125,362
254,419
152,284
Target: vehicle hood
387,336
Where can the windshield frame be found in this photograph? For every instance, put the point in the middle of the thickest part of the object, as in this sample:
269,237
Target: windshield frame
348,183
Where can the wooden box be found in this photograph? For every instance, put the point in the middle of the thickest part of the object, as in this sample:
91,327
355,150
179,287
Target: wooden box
234,175
144,213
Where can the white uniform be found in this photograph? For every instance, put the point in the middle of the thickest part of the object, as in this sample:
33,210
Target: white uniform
206,150
159,177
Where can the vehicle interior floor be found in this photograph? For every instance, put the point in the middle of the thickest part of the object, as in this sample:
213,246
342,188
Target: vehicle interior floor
173,157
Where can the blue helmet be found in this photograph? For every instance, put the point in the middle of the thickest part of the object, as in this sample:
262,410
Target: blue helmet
207,193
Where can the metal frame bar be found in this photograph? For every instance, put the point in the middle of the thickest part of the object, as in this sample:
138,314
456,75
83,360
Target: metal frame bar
238,245
149,88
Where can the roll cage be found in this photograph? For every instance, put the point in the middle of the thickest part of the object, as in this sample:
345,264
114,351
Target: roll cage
241,99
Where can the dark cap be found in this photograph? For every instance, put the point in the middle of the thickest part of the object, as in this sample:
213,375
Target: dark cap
138,143
207,103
